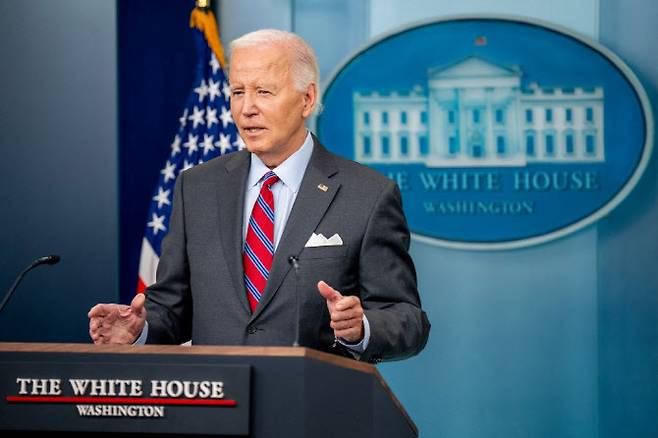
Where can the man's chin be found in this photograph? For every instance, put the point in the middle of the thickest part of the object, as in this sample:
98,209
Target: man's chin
260,149
253,147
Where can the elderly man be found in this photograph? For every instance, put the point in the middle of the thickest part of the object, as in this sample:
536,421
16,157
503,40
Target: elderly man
283,241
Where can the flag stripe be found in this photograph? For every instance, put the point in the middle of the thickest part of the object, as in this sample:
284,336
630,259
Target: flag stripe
148,263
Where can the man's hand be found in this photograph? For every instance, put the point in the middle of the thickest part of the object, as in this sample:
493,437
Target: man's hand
117,323
346,314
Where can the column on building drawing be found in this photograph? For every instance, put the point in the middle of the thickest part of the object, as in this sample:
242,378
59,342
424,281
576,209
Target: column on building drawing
421,135
490,152
506,138
593,131
362,133
475,115
384,134
533,114
460,113
436,126
446,125
394,127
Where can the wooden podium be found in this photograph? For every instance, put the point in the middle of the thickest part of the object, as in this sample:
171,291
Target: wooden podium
195,390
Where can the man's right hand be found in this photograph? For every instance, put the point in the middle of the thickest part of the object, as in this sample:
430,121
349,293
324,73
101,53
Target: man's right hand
117,323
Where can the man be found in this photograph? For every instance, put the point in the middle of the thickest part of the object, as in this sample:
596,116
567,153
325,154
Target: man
283,241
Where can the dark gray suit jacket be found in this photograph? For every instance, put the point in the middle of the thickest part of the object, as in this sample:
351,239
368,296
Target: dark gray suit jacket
200,293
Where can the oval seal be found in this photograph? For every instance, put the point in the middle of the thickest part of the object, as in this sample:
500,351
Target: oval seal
500,132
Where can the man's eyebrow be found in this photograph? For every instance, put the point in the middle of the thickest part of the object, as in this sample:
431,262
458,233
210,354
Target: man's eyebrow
267,85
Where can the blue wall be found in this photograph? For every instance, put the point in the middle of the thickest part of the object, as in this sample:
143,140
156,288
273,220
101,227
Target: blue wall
58,136
628,251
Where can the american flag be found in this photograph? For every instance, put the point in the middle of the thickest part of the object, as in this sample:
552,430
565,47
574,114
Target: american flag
206,131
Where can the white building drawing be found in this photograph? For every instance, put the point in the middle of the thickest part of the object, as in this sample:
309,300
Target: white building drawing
475,113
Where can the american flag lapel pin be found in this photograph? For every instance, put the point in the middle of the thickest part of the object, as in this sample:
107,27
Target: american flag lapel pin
323,187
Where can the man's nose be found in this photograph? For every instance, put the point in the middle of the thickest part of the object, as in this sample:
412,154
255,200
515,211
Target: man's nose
249,107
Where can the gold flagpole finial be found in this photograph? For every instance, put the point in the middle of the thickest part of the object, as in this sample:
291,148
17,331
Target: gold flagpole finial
203,19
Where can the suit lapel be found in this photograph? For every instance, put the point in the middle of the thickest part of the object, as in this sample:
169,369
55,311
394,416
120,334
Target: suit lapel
309,208
231,209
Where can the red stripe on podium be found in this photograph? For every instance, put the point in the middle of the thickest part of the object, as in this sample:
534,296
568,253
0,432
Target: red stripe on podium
121,400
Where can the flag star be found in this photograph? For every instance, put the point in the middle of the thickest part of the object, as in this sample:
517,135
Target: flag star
214,64
162,197
207,144
183,119
168,171
157,223
239,143
211,116
226,89
175,146
226,117
187,165
196,117
202,90
191,144
213,89
224,143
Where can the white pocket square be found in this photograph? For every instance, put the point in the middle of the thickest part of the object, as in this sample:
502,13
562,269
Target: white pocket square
319,240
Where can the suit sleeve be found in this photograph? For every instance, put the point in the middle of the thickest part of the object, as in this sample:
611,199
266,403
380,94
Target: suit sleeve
168,301
399,328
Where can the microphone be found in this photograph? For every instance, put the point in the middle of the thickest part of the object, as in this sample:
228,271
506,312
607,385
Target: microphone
294,261
45,260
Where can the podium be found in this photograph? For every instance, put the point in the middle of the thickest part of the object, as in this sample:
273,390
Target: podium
195,391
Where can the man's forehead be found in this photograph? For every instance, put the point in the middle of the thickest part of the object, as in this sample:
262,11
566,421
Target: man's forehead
247,64
266,52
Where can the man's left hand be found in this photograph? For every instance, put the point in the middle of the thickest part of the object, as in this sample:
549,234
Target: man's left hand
346,314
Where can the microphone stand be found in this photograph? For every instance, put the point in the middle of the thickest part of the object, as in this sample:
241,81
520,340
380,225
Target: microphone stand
46,260
294,261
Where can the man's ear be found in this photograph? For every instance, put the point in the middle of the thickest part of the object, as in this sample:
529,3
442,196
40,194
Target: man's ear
310,96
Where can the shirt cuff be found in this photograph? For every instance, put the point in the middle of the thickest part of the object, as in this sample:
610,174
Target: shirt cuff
141,340
361,346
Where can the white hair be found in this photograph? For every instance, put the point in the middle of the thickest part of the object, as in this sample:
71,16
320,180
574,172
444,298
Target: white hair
304,66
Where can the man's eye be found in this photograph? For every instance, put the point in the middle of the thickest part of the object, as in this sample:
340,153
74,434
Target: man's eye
264,92
236,93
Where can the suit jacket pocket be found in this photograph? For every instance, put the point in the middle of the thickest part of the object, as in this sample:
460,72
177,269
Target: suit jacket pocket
322,252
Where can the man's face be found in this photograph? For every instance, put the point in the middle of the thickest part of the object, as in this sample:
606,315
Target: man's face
268,110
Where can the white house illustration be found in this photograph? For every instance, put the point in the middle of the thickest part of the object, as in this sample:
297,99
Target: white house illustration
476,113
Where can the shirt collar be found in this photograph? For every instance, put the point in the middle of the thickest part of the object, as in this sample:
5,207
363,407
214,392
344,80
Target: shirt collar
290,172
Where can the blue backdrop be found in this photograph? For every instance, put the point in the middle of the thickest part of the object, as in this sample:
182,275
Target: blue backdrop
156,57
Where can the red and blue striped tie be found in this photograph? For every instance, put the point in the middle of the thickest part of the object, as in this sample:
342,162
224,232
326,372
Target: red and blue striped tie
259,244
